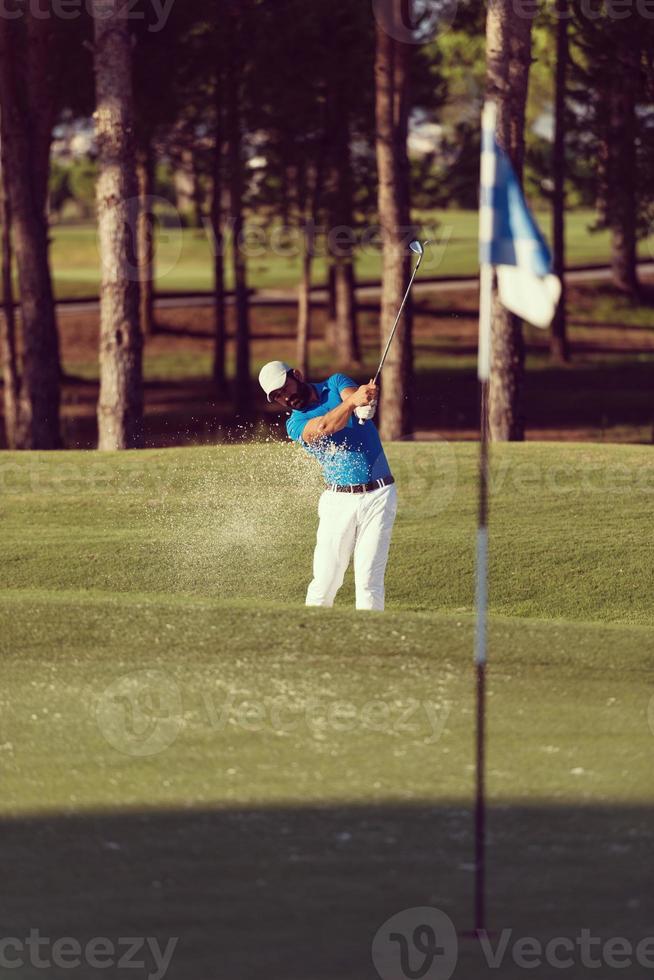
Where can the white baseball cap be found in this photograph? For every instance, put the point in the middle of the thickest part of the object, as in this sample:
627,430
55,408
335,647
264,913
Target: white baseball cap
273,376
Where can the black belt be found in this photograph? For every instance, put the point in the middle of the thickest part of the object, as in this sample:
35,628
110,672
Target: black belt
361,487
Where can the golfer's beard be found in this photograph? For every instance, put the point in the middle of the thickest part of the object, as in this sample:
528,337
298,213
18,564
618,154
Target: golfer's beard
303,397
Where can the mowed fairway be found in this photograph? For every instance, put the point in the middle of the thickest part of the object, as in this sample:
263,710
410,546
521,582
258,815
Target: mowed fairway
184,256
186,751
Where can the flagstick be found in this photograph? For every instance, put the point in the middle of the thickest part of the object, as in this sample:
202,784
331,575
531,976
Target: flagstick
502,220
486,225
486,287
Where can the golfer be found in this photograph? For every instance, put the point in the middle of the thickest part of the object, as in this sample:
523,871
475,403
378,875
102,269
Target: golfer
333,420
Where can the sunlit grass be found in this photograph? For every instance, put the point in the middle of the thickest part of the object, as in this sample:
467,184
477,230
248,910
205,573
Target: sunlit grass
184,258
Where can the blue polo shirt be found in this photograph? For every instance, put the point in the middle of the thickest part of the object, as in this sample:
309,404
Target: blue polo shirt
353,455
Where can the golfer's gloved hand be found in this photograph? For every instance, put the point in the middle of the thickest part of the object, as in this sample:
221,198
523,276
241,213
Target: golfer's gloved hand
366,412
365,395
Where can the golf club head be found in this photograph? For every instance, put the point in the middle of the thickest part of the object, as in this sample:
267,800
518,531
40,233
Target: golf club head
416,247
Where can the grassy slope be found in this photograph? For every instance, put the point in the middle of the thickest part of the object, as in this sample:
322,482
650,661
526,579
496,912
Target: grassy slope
193,564
237,522
184,258
187,559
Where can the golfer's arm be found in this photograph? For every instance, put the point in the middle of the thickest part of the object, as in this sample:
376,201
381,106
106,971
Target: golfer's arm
334,421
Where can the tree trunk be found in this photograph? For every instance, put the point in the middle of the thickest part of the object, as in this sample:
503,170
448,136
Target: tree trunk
40,53
10,378
120,407
220,323
391,112
308,195
622,175
284,189
330,309
508,58
43,58
242,385
39,398
304,304
345,321
198,194
184,186
558,339
146,243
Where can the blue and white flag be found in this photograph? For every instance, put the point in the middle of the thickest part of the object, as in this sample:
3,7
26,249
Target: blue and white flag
509,238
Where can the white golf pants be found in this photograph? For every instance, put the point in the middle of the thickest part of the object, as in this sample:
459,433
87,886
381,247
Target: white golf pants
353,522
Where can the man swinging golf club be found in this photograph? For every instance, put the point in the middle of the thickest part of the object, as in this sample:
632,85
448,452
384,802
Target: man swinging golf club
358,508
333,420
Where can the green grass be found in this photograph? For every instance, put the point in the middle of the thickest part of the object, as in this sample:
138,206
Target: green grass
187,750
603,305
185,262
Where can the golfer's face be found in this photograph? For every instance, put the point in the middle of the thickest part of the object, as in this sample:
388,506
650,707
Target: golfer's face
294,394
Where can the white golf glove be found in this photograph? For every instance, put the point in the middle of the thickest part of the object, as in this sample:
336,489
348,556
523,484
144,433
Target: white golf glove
366,412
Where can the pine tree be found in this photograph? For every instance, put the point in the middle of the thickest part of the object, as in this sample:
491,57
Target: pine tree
120,406
508,54
392,109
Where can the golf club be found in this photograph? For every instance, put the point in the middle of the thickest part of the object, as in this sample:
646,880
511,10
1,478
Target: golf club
419,249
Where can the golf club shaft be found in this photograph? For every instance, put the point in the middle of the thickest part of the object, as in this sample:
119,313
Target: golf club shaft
397,320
